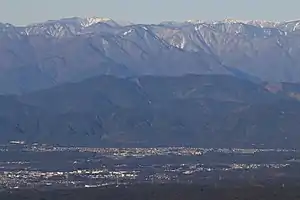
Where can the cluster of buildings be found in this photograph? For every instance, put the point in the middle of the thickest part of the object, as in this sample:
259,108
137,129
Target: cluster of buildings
117,172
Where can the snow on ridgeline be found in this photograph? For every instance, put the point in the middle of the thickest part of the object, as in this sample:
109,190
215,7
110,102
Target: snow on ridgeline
68,27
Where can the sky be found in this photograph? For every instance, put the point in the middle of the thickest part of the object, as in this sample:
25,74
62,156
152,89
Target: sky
22,12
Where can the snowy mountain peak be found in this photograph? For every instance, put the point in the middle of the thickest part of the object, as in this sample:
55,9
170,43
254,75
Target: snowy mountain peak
86,22
258,23
194,21
66,27
232,21
226,20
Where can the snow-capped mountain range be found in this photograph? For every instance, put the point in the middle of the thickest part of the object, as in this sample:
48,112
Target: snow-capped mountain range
76,25
46,54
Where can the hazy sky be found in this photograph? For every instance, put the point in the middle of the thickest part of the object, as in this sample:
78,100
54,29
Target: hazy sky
22,12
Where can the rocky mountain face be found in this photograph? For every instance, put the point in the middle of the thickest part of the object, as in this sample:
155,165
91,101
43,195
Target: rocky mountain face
269,53
44,55
205,110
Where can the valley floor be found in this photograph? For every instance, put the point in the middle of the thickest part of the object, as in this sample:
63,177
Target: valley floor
162,192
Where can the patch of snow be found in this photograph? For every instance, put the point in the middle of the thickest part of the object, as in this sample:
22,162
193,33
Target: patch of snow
296,26
183,42
197,28
279,43
86,22
104,42
127,32
145,28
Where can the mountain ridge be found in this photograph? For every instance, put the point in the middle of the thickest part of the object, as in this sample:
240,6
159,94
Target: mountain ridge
47,54
196,110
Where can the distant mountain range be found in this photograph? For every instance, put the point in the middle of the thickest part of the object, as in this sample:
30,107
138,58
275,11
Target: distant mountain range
193,110
44,55
101,82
